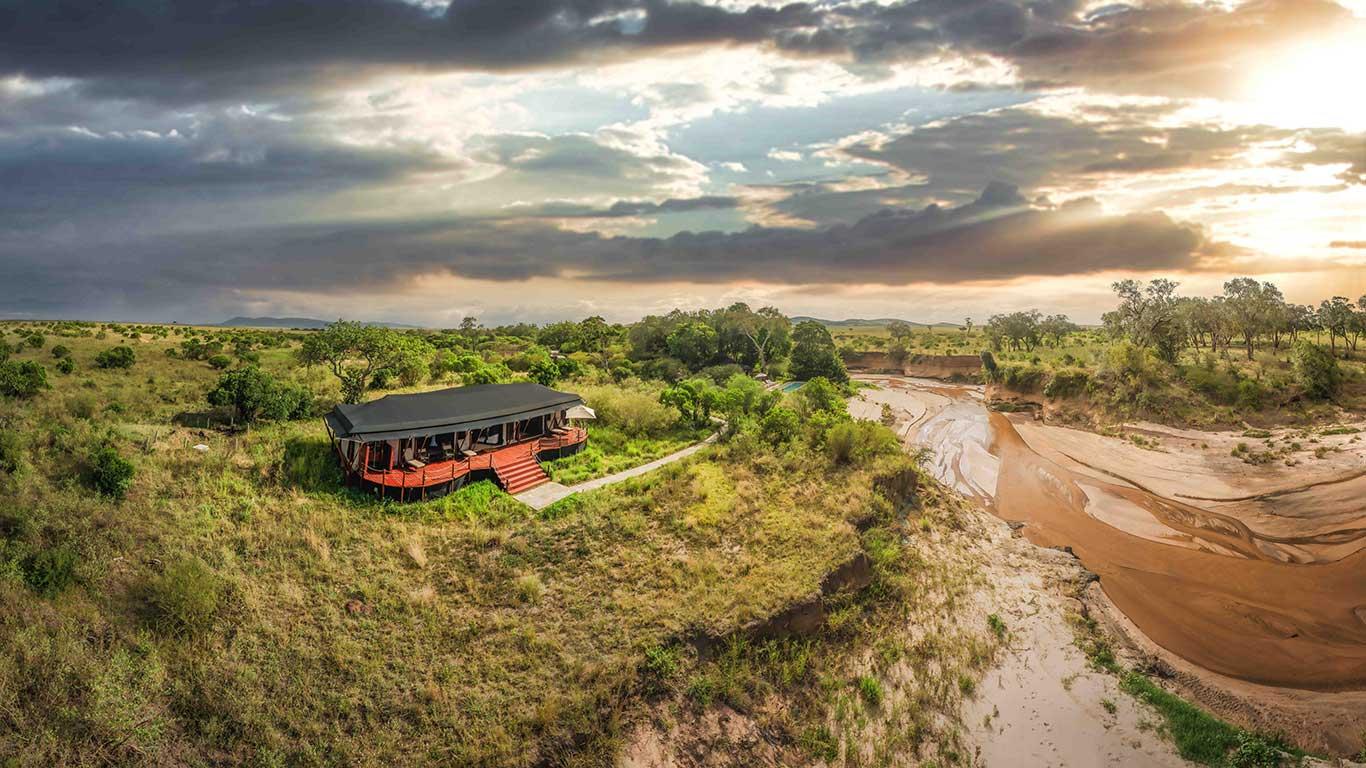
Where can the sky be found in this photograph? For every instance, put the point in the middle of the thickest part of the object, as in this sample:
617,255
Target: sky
420,161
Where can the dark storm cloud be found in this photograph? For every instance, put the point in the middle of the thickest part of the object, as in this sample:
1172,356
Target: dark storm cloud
203,50
996,237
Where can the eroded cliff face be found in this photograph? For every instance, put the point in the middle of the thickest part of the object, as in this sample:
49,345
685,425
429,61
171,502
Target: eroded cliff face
944,367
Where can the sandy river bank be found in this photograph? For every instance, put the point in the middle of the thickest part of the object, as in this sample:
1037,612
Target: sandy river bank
1249,578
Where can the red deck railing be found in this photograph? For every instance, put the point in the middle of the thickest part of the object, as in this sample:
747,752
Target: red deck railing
418,479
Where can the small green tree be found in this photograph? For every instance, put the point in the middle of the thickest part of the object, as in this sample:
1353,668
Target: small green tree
110,473
355,352
694,399
254,394
814,353
60,351
1317,370
24,378
66,365
694,343
219,362
780,425
116,357
822,396
545,372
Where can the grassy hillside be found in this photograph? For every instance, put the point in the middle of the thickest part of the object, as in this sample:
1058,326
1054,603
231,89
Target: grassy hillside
239,607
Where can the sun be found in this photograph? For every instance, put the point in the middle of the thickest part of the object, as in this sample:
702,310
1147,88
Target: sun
1311,85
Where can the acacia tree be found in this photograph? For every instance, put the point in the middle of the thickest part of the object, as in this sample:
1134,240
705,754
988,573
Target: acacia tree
1336,316
1252,307
1147,315
355,353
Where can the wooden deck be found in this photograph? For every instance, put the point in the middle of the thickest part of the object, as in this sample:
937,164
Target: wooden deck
418,480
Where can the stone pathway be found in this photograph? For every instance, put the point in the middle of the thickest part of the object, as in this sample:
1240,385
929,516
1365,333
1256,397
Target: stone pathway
546,494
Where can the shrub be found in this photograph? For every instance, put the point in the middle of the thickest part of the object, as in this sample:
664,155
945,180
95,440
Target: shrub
11,451
50,571
66,366
116,357
1021,378
694,400
989,369
820,395
185,598
1250,395
633,409
1317,370
722,373
110,473
1069,382
544,372
254,394
489,373
870,690
780,425
36,341
22,378
60,351
857,441
221,362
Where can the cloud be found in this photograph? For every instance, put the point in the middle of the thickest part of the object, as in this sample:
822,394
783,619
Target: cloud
1348,244
206,50
996,237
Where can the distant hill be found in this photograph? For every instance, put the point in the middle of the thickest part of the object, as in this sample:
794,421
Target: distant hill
861,322
292,322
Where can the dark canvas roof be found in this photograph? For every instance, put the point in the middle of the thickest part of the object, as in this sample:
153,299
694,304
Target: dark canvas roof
446,410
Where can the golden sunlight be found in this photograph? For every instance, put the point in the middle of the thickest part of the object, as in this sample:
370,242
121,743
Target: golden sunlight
1311,85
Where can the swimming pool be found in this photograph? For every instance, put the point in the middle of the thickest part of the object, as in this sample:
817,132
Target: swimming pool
793,386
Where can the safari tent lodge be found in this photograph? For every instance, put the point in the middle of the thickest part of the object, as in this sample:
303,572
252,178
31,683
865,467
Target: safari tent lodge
427,444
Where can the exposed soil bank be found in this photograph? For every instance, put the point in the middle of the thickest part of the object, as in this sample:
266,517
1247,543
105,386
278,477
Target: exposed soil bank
944,367
1275,600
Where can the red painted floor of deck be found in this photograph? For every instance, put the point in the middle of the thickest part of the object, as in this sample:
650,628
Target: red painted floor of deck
442,472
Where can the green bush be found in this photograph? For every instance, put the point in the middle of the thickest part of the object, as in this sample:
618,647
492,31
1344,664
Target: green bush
722,373
1021,378
185,598
116,357
1068,382
633,409
220,362
858,441
60,351
820,395
254,394
1317,371
110,473
66,366
11,451
50,571
22,378
780,425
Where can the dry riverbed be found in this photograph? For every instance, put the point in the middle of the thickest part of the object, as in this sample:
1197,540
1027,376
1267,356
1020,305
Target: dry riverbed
1237,574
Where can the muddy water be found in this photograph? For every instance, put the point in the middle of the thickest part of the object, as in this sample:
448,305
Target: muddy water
1286,610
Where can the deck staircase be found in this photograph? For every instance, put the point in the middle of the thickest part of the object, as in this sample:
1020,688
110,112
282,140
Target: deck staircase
519,472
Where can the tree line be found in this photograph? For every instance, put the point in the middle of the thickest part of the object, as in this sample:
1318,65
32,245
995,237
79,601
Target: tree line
1248,314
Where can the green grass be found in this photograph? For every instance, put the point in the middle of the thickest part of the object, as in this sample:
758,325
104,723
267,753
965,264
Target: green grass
240,607
611,450
1202,738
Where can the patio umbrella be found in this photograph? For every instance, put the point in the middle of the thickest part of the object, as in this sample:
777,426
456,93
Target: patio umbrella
580,412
